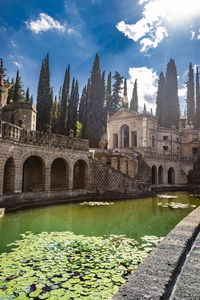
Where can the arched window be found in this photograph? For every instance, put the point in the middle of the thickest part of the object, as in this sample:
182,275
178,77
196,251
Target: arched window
153,141
33,174
154,175
171,176
59,174
160,175
80,178
125,136
9,176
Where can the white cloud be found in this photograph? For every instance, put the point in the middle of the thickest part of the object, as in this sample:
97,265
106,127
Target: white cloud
146,85
13,43
156,15
182,92
192,34
17,64
44,23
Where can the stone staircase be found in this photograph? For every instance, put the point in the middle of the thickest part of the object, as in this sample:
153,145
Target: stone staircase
144,172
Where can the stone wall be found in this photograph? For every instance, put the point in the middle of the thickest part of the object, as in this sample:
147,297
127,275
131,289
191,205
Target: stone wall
106,179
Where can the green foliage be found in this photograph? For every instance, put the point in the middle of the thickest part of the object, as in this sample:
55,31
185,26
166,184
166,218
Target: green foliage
116,97
160,99
44,96
190,96
28,99
96,101
134,99
65,94
82,116
18,92
197,100
171,111
11,92
109,94
61,265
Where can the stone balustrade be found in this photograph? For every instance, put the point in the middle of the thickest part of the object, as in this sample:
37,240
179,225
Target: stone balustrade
18,134
167,157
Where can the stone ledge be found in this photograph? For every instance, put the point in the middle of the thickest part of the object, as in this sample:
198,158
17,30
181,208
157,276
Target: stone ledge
155,277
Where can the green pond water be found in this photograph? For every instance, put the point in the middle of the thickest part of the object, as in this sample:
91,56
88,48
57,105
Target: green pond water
133,218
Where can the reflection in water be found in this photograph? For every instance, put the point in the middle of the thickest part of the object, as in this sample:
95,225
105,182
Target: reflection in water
133,218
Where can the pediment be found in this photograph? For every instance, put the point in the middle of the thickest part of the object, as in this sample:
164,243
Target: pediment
123,113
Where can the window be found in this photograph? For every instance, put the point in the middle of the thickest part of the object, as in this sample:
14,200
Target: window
153,141
195,137
195,150
115,140
165,137
177,139
165,148
134,138
177,148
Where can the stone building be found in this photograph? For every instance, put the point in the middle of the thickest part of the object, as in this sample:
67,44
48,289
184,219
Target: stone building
167,151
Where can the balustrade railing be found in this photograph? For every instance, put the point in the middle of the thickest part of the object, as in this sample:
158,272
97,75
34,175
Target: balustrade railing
167,156
15,133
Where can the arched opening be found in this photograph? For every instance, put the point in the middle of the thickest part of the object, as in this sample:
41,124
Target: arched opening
9,176
171,176
154,175
153,141
33,174
125,136
80,179
160,175
59,174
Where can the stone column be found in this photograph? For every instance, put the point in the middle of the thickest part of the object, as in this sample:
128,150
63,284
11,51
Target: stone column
123,165
114,162
131,169
47,179
71,175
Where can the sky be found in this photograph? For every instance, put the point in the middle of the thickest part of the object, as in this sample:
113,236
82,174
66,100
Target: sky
137,38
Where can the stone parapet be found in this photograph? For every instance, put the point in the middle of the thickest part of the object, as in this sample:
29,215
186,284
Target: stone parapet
14,133
156,277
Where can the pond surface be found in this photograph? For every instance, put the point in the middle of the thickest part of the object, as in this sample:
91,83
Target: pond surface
133,218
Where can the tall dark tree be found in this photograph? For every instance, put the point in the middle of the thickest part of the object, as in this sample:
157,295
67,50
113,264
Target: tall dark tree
160,99
197,99
72,108
125,95
64,101
28,99
44,95
171,114
83,112
190,96
96,105
54,116
134,99
18,93
117,88
11,92
109,99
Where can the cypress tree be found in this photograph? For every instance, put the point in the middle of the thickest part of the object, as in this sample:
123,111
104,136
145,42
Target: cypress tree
190,96
44,95
83,112
64,100
27,99
109,94
96,105
160,99
31,100
125,99
134,99
54,116
18,92
72,108
171,114
117,87
197,99
11,92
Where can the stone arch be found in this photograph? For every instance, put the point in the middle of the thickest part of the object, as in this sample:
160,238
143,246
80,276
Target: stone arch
125,136
171,176
80,174
59,174
154,175
160,175
33,174
9,176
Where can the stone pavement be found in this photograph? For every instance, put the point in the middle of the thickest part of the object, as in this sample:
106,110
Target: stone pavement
172,270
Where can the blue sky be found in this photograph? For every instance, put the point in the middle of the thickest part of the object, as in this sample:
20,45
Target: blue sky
136,38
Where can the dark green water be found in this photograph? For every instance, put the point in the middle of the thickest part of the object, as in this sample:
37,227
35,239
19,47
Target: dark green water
133,218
